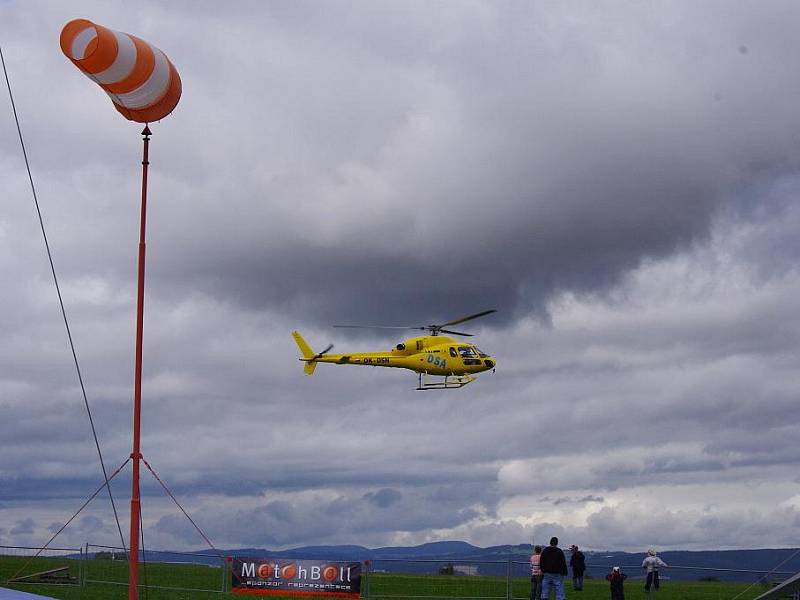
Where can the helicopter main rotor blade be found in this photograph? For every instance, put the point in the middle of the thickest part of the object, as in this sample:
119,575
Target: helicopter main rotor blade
455,332
376,327
469,318
433,329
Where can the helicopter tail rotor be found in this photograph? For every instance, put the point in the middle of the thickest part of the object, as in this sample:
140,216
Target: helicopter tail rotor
323,353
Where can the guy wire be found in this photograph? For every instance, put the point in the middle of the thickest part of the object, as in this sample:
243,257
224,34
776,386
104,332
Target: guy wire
60,300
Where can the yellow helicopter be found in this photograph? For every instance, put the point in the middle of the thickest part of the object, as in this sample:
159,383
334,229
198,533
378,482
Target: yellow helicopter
428,355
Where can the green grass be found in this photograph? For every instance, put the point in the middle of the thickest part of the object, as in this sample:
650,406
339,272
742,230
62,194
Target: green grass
396,587
108,580
382,586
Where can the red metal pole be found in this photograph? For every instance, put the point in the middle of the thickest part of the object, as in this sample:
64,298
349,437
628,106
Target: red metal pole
136,455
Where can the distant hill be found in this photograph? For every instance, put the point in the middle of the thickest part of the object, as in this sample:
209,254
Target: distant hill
726,565
425,551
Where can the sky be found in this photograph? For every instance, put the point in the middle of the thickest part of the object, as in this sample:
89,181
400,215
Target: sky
619,180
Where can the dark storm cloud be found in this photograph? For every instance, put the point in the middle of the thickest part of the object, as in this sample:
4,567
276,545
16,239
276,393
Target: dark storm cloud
492,177
568,168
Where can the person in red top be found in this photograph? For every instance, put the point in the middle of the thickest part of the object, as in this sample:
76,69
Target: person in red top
536,574
616,578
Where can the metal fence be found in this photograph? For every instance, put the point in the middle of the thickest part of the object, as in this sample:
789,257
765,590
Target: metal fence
384,579
788,589
447,579
108,565
21,565
691,573
390,579
417,574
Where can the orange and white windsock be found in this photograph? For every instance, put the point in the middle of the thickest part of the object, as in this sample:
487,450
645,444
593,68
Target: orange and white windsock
139,78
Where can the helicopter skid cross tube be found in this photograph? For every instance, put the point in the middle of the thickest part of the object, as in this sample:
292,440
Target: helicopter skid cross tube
450,382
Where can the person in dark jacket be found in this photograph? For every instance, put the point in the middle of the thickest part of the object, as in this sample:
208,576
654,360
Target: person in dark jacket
554,568
578,563
616,578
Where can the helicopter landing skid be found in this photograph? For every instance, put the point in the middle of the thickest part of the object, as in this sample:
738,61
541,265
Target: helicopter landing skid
450,382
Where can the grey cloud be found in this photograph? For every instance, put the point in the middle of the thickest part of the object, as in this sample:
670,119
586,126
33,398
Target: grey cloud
591,498
651,525
23,526
688,529
572,500
90,525
311,518
279,510
384,497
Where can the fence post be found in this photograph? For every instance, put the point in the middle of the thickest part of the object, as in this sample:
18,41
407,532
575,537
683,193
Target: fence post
224,574
85,567
508,580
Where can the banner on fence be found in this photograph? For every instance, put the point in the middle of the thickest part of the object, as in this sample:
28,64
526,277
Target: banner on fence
262,576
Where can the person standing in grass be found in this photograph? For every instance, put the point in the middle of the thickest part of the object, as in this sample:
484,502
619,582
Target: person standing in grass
554,569
651,563
578,563
536,573
616,578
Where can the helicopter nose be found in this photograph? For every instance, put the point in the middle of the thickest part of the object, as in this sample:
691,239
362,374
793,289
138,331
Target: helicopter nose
489,363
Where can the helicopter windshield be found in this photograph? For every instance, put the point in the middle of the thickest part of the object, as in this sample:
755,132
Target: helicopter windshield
481,353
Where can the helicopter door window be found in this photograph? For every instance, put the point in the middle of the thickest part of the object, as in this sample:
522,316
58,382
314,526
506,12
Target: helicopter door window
466,352
453,352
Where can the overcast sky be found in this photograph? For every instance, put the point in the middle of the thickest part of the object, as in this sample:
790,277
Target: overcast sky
619,180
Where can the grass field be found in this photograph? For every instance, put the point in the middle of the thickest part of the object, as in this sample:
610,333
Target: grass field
194,579
385,586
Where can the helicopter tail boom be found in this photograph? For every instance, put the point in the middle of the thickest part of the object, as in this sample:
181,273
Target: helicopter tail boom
308,354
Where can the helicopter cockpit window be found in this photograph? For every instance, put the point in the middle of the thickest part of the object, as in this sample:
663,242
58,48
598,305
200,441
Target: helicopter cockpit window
466,352
453,352
481,353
